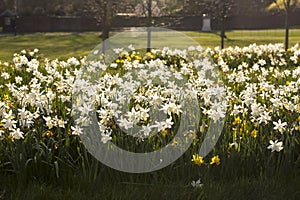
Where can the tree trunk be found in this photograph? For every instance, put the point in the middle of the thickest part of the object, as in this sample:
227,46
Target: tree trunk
287,27
149,7
106,22
223,25
107,18
223,34
222,38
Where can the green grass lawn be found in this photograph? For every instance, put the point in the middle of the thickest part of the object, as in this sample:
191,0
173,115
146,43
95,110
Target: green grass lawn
52,45
244,37
64,45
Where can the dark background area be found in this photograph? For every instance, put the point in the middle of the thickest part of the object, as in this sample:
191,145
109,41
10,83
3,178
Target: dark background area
79,16
78,24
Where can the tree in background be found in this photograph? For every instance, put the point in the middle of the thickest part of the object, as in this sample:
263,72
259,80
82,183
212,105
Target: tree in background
7,5
196,8
251,7
237,7
173,7
102,11
288,6
219,10
49,8
142,9
158,7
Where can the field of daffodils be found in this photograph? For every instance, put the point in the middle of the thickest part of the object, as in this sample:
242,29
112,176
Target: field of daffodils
253,92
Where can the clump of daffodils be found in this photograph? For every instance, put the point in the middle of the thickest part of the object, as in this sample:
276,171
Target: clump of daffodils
264,82
142,94
256,88
36,96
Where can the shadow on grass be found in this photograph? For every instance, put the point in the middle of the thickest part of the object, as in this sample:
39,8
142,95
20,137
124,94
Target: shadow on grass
173,182
244,188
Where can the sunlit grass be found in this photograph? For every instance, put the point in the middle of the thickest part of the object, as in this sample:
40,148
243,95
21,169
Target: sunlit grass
64,45
55,45
245,37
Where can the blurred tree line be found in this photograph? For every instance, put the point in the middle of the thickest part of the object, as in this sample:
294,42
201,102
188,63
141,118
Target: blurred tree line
163,7
104,10
42,7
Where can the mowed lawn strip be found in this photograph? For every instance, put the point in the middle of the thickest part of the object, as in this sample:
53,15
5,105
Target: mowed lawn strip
51,45
64,45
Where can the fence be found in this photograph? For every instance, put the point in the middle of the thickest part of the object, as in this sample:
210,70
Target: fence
55,24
